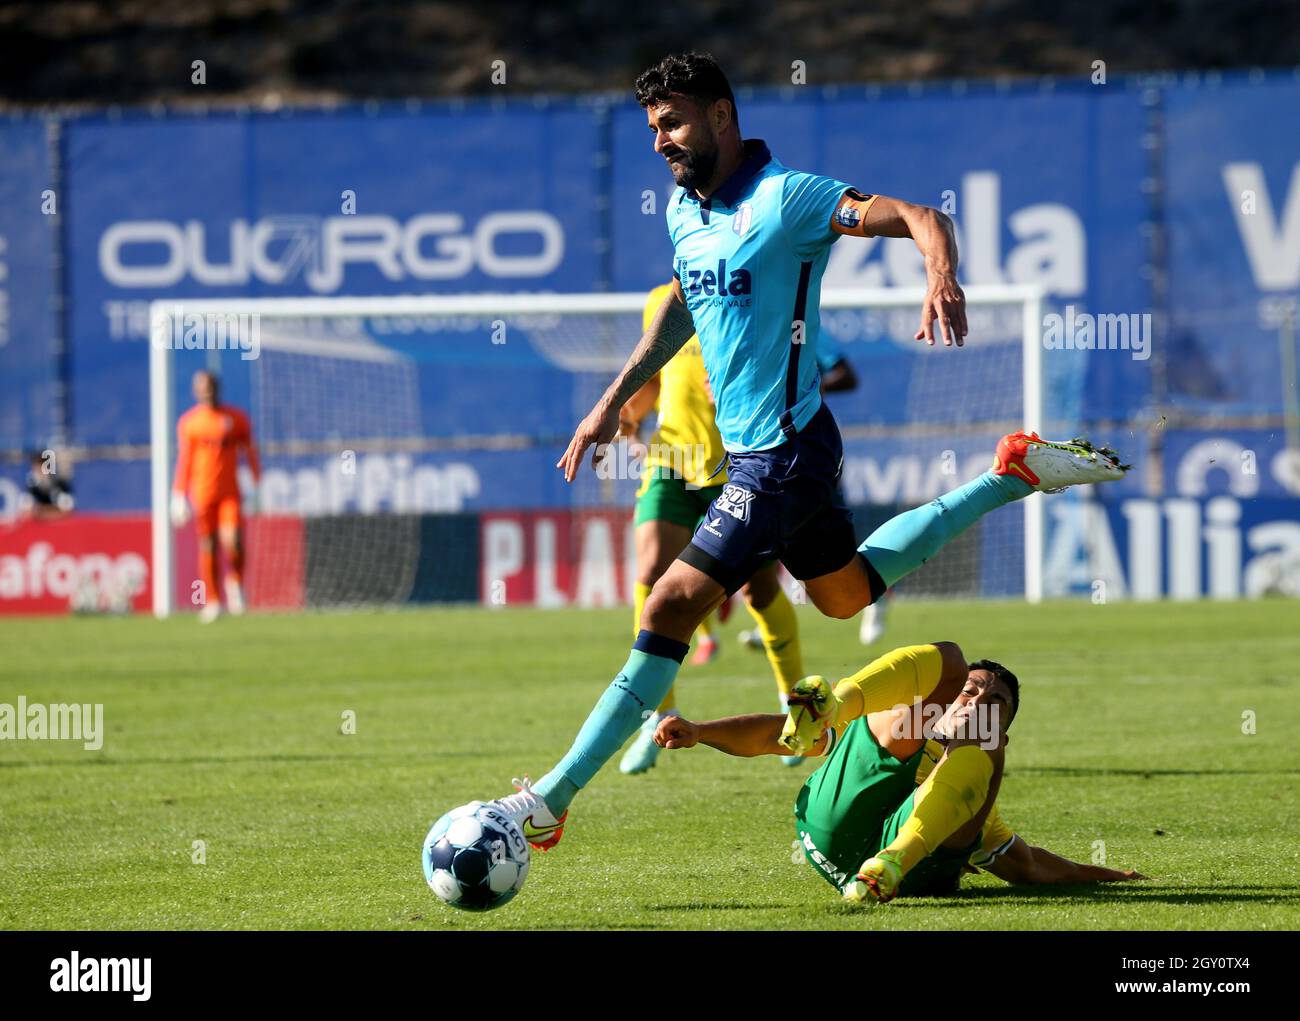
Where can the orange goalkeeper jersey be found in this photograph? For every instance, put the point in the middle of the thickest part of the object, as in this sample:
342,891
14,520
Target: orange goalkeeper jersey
208,442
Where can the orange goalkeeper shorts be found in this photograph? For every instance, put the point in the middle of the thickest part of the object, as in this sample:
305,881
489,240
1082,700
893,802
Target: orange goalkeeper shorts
224,514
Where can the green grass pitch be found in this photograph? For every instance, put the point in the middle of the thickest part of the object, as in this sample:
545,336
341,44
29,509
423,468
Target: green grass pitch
1131,733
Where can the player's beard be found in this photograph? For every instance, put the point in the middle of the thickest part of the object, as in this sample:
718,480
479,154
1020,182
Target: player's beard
695,169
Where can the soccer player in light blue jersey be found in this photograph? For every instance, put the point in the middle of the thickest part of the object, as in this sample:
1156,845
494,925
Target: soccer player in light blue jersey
751,239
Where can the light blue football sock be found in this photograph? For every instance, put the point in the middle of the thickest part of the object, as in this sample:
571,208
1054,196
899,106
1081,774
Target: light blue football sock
639,687
908,540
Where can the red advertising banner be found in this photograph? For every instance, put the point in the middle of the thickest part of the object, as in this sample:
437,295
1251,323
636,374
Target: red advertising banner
90,562
557,558
103,563
274,564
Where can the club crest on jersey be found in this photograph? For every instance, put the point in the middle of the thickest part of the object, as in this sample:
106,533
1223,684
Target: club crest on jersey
735,501
740,221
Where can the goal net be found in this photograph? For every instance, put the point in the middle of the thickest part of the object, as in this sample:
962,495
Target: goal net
408,444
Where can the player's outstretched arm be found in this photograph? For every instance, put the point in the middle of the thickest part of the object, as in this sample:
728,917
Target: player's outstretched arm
743,736
637,407
672,327
872,216
1031,865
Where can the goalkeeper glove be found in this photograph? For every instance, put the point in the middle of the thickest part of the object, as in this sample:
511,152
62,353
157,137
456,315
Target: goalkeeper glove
180,509
813,707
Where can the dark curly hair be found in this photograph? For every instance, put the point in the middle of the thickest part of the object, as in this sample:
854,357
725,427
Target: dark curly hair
696,76
1006,677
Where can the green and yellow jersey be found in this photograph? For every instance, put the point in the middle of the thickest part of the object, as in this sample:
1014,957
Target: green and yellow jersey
686,412
856,802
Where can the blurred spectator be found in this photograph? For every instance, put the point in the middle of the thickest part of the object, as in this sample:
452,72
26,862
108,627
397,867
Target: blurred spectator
50,492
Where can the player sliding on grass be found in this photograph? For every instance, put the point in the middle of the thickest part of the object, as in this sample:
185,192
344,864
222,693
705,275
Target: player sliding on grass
684,474
893,810
752,238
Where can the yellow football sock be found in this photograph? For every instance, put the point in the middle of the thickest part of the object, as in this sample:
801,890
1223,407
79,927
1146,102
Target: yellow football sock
641,594
779,628
704,629
896,678
949,798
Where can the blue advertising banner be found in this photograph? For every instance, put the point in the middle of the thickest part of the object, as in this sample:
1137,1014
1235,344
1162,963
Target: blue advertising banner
311,204
28,245
1059,185
1233,199
1222,547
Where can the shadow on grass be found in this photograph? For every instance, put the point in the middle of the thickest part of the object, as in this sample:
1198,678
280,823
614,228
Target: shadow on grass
1095,771
1136,892
227,760
722,906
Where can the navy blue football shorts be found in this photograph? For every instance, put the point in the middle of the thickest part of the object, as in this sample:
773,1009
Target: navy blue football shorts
779,504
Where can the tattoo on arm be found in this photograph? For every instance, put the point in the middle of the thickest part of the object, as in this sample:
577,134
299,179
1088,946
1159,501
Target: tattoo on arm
672,327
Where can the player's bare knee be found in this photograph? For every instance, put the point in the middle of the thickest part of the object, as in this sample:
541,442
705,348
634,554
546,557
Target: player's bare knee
678,603
834,605
662,612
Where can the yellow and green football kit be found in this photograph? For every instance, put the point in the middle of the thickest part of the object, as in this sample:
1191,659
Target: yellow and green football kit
860,799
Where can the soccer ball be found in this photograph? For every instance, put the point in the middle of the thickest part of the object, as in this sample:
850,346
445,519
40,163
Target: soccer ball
475,857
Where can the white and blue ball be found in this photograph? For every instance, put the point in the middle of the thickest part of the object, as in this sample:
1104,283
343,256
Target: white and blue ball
475,857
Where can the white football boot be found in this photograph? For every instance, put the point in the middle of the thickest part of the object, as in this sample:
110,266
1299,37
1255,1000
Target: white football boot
527,808
1051,467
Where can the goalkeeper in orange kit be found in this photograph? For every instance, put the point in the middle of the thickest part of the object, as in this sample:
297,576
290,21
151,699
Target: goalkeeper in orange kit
209,437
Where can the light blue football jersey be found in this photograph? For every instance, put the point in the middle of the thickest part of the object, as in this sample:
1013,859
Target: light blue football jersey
750,259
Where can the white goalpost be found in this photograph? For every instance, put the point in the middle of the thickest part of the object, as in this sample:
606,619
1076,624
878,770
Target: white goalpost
365,374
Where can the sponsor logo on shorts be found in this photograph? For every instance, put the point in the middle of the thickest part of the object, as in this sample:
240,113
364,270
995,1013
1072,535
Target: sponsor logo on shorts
820,861
712,527
735,501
